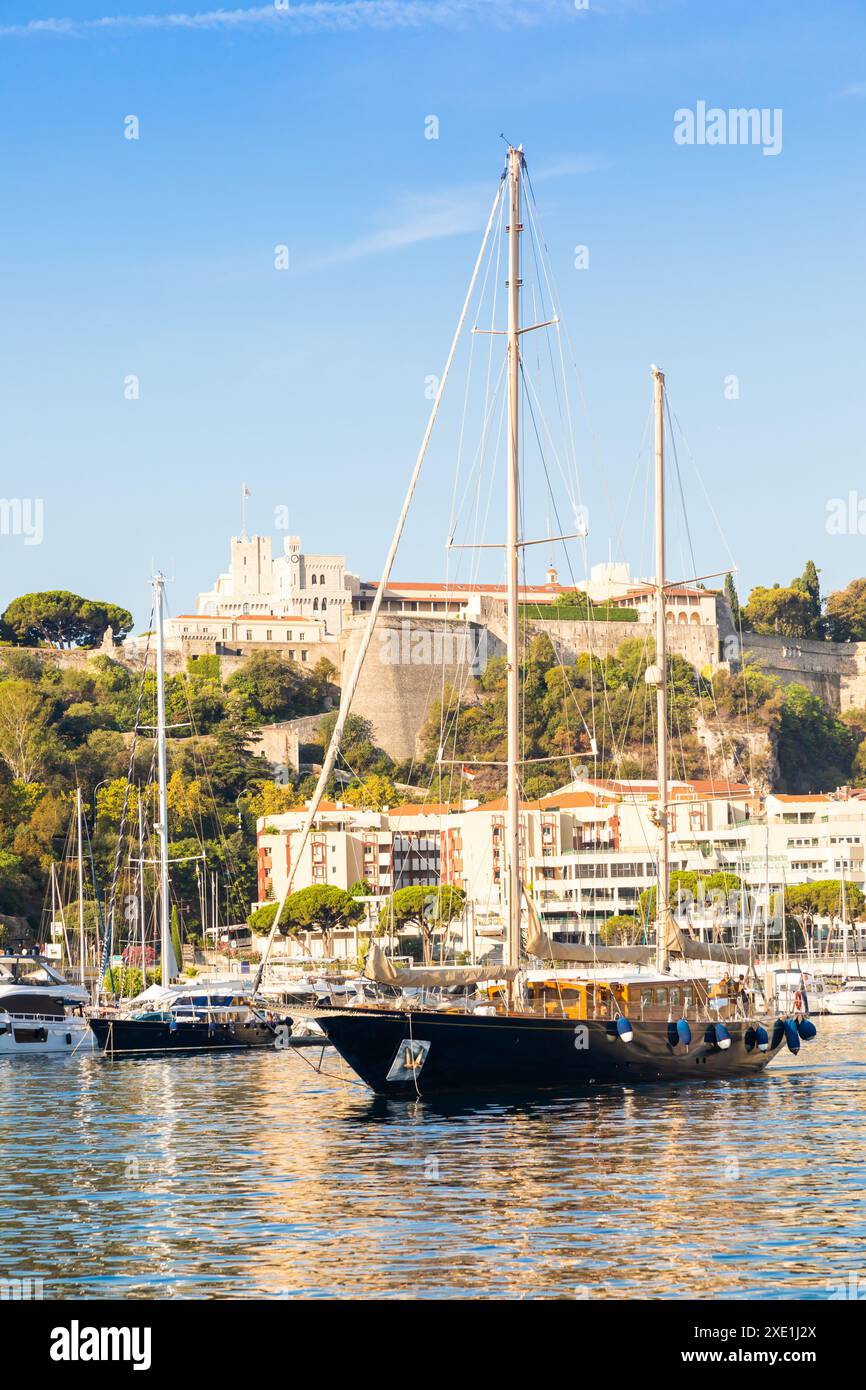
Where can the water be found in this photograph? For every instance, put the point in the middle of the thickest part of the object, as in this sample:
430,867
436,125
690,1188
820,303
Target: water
249,1174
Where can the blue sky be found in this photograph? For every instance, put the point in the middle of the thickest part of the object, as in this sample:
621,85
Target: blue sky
155,258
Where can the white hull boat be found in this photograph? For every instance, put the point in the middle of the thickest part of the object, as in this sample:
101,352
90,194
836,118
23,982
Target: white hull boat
850,999
40,1012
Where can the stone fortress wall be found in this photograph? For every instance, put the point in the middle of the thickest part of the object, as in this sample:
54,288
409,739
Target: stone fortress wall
403,676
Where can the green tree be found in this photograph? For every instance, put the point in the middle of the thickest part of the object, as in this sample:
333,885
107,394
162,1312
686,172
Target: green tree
621,930
63,619
176,937
372,794
361,888
787,612
273,689
816,751
320,908
426,907
24,739
733,601
846,612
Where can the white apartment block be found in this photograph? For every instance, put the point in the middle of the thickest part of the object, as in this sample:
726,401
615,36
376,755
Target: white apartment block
587,851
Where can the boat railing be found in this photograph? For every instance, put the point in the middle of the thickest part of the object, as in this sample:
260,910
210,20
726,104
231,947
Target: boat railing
33,1017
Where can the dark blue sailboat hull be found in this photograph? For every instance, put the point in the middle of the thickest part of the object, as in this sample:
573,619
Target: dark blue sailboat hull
409,1053
122,1036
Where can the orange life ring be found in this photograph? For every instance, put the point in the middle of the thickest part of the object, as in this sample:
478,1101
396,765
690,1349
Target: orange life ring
798,1003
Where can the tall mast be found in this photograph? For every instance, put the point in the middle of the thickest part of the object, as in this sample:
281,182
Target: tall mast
162,827
662,905
512,552
81,937
844,918
141,906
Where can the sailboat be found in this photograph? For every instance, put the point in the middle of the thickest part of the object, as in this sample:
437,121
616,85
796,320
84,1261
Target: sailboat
850,997
539,1031
191,1015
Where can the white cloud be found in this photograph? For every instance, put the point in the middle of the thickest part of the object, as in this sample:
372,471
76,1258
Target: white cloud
417,217
311,16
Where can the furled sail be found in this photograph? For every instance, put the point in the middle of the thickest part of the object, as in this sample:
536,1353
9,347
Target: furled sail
539,944
382,971
712,950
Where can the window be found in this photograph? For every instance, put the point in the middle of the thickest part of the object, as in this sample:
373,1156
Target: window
321,579
288,634
315,605
314,580
249,635
324,604
268,635
304,655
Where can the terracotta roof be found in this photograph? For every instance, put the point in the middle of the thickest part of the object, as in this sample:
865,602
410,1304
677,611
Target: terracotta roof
419,808
805,796
566,800
678,789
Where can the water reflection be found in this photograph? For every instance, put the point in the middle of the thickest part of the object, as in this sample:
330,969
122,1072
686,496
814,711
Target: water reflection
242,1175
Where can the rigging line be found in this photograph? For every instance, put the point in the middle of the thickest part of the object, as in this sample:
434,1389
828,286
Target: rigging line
109,930
348,690
455,706
732,752
497,242
572,497
553,292
544,315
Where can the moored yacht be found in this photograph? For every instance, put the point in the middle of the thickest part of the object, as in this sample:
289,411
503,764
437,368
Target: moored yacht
199,1015
536,1030
850,998
40,1012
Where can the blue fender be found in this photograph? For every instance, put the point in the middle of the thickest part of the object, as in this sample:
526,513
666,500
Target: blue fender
723,1037
806,1029
624,1028
778,1034
684,1032
762,1038
792,1037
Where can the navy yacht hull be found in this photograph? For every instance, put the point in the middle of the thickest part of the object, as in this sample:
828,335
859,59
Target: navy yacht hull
124,1036
407,1053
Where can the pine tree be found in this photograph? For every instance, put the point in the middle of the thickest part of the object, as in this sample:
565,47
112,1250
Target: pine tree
176,941
809,584
732,600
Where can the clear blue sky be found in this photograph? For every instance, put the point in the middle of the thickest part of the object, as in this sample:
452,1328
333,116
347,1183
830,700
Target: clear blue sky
155,258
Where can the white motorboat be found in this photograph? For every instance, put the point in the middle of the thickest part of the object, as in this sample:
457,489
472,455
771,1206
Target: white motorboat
850,998
40,1012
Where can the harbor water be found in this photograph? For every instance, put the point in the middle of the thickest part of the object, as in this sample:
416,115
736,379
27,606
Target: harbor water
244,1175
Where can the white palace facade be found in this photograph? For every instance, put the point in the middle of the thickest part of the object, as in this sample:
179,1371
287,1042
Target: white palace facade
293,601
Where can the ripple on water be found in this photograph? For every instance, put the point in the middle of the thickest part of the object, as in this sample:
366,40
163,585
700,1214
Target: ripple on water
247,1174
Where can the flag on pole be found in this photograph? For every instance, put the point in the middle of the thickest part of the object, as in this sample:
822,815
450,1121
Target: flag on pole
470,776
246,491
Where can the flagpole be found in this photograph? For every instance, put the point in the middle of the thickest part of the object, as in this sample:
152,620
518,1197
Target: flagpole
244,495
